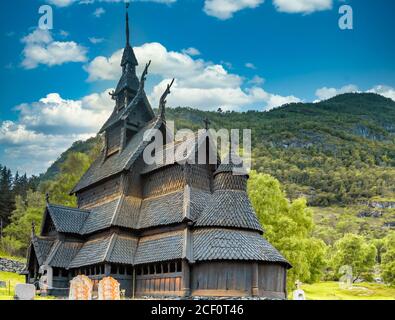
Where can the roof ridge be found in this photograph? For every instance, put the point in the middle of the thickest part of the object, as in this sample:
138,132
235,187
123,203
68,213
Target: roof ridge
67,207
114,218
111,245
53,251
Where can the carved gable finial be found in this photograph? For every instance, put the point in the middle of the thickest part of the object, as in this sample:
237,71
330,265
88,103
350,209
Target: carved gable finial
162,101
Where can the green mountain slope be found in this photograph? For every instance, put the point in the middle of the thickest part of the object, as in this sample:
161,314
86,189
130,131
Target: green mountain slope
338,151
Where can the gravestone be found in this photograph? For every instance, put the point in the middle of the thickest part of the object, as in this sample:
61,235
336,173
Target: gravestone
109,289
25,291
298,294
81,288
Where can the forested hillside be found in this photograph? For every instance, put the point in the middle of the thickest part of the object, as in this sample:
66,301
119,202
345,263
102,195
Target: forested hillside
339,151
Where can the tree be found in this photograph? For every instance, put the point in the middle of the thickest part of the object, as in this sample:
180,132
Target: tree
17,233
354,251
7,202
288,226
388,259
71,172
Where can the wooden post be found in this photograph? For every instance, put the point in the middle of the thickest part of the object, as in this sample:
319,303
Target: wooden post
134,283
255,280
107,269
186,279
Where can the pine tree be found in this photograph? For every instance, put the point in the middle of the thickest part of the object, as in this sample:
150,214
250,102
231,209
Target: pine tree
7,201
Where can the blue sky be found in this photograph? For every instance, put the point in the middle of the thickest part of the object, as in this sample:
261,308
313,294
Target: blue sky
237,54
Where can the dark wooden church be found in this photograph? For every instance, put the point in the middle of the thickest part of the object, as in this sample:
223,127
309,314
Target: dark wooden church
175,229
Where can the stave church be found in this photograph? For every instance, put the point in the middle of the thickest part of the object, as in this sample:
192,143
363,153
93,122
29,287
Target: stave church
175,229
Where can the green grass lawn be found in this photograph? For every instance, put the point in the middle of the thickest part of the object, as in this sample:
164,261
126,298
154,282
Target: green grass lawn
5,255
9,278
360,291
13,279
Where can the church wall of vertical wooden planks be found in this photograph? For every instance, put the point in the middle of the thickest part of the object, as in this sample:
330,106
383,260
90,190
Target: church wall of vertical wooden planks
172,229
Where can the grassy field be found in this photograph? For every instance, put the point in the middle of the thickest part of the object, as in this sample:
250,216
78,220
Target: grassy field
317,291
13,279
360,291
9,278
5,255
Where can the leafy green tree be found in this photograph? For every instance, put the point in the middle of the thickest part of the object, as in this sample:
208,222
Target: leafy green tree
388,259
288,226
18,232
354,251
71,171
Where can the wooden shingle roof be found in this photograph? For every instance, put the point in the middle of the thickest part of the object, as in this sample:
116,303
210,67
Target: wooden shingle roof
227,244
67,219
42,247
165,247
229,208
103,167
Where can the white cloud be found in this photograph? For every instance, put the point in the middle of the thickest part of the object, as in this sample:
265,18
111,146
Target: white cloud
40,48
95,40
327,93
257,80
250,65
224,9
385,91
49,126
302,6
99,12
199,84
191,51
61,3
66,3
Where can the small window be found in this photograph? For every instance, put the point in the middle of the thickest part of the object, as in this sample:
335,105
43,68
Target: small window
64,273
179,266
121,270
165,268
173,267
152,269
146,271
55,272
102,269
139,271
158,269
129,271
113,269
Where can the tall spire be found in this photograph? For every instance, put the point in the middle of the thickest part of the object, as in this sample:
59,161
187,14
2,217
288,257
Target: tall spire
127,25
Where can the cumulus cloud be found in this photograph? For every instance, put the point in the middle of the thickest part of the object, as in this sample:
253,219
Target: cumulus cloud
66,3
95,40
199,83
383,90
191,51
40,48
225,9
250,65
302,6
99,12
327,93
49,126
